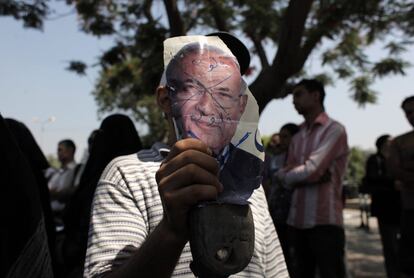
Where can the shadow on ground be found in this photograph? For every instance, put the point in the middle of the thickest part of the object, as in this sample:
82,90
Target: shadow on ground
364,250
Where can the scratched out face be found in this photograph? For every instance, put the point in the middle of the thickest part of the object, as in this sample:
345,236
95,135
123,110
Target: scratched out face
207,96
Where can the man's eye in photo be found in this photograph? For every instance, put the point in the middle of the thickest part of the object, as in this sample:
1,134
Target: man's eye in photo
224,96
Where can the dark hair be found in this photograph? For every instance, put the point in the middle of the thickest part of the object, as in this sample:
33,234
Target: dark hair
68,144
406,101
381,141
313,85
291,128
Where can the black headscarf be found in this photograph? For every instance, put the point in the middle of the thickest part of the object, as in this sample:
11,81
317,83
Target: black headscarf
38,163
117,136
23,239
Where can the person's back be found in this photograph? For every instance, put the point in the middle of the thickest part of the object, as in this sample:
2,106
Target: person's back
403,145
385,203
23,239
38,164
401,164
116,136
385,199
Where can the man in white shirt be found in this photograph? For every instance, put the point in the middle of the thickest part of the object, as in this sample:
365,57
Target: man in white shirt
61,182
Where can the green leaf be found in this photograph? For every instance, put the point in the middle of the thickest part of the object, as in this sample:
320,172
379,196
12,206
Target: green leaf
389,66
362,94
395,48
78,67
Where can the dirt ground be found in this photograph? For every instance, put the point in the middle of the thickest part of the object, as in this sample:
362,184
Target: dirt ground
363,246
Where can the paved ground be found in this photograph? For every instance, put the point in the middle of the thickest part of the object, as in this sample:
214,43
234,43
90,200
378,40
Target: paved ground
364,251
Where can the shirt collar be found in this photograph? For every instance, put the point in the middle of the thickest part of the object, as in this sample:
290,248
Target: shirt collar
321,119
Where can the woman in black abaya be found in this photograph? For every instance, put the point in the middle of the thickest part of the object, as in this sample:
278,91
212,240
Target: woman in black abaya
23,241
116,136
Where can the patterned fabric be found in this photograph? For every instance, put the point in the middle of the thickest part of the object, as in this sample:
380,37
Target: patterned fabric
317,152
34,259
127,208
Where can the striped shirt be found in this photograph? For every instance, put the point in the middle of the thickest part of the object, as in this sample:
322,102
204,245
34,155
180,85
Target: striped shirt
127,208
313,151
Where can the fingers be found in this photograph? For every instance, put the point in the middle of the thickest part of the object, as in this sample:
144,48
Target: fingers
189,196
187,144
187,157
186,152
189,174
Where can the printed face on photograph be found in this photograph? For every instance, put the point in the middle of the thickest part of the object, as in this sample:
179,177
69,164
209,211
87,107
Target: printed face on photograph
207,92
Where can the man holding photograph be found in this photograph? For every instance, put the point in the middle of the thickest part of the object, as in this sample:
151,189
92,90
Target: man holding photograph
139,223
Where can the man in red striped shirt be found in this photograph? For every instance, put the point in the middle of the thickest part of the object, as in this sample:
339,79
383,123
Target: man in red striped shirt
316,165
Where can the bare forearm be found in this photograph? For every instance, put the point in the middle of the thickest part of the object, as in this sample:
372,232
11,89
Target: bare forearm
157,257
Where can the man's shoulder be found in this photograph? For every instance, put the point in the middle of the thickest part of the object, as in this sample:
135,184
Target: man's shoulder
336,124
155,154
406,137
132,164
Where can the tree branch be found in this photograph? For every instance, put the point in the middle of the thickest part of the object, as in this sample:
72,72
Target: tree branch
146,7
174,18
322,29
221,22
271,81
259,50
292,30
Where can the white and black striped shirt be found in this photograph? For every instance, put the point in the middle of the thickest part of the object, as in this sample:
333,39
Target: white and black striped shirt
127,208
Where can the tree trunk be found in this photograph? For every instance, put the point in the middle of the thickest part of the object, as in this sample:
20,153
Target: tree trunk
270,82
267,86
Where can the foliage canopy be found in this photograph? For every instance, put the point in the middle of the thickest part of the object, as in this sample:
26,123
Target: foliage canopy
341,32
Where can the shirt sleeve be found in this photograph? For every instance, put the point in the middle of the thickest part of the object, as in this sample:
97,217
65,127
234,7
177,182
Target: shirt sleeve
117,227
332,145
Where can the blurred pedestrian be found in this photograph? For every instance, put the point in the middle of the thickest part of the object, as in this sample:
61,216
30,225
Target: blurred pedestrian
401,164
23,240
315,168
385,203
280,197
273,162
61,180
116,136
85,158
38,164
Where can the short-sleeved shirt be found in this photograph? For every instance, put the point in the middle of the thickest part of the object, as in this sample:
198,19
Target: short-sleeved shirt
127,208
